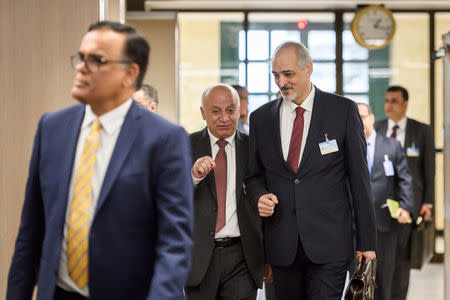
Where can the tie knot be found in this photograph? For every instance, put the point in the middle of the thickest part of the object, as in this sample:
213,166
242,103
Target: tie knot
96,125
395,128
222,143
299,111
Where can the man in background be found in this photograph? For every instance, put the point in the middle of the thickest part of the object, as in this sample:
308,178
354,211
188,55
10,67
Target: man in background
243,125
147,96
108,203
391,179
228,255
418,144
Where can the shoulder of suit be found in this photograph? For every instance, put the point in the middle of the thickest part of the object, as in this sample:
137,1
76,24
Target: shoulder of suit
197,134
157,122
331,100
63,114
417,124
242,136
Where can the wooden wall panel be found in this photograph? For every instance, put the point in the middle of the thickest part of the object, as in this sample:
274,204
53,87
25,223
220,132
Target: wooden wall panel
37,38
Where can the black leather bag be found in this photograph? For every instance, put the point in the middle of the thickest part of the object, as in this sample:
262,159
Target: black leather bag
362,283
422,243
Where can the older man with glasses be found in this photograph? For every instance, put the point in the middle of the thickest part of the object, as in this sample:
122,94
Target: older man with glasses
108,204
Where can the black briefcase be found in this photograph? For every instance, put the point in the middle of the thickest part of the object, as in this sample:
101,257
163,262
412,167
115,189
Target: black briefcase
422,243
362,283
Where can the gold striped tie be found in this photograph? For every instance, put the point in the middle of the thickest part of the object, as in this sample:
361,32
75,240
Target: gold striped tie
78,223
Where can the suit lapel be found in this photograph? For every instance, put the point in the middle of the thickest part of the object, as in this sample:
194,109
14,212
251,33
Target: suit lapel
69,147
204,149
275,111
240,165
378,155
123,145
384,127
409,135
314,131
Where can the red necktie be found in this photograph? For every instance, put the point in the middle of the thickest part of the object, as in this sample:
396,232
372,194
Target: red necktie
394,132
296,139
220,176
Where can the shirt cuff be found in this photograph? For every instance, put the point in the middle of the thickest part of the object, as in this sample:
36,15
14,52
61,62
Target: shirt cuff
196,181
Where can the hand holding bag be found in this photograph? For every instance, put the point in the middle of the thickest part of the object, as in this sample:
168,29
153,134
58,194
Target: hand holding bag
362,283
422,242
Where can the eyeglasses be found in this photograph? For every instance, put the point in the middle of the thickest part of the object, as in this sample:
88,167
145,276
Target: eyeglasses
93,62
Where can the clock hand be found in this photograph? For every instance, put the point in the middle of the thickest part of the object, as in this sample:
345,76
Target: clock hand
377,23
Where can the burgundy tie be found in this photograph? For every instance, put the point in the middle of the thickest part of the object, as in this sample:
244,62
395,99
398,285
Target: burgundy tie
296,139
220,176
394,132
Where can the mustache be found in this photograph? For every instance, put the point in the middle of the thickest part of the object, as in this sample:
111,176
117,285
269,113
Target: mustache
287,87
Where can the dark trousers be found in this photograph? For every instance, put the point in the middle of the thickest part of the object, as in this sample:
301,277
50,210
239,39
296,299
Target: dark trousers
385,251
307,280
402,263
61,294
227,277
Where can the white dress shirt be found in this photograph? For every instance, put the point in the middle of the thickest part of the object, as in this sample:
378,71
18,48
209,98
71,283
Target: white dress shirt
111,123
371,150
287,117
401,130
231,228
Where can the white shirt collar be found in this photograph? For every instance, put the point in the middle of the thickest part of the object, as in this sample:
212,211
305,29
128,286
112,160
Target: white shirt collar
214,139
307,103
401,124
110,121
371,139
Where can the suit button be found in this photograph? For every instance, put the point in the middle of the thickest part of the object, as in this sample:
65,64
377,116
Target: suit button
214,209
211,233
297,181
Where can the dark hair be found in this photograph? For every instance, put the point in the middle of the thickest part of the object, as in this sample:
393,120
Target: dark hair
150,92
137,48
398,88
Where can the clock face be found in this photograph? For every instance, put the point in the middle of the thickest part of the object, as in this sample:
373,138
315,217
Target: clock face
373,27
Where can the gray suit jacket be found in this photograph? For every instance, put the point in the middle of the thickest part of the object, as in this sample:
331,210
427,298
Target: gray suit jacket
423,167
397,187
205,212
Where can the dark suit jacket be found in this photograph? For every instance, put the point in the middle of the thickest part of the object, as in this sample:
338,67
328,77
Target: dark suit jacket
314,204
205,212
397,187
423,167
141,235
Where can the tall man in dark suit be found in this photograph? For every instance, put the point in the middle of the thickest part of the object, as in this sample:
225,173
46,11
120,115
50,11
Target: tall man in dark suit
108,204
308,176
228,257
418,143
391,179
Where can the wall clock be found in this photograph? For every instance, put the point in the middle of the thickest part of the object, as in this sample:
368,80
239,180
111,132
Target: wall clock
373,27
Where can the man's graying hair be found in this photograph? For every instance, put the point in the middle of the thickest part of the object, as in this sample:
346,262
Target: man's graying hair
301,51
150,93
366,105
233,92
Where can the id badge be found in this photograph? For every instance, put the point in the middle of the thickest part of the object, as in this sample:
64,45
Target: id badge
329,146
412,151
388,167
